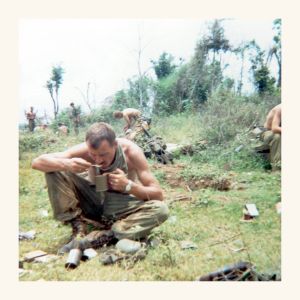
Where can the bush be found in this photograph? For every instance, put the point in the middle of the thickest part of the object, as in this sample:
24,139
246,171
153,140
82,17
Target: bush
31,142
225,115
62,117
237,155
105,115
172,93
181,128
100,115
225,122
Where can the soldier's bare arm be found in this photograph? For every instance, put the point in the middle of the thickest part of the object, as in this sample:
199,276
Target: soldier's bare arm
276,122
72,160
149,189
127,119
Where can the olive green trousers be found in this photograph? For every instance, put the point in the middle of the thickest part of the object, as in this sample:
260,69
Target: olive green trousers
71,196
271,141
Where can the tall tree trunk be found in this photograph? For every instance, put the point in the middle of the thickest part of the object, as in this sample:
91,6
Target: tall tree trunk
57,107
279,70
88,96
140,73
54,104
241,75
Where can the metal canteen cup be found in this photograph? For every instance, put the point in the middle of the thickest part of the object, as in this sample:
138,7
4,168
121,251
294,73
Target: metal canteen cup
73,259
101,183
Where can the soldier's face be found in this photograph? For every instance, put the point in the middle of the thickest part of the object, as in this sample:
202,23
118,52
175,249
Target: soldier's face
104,154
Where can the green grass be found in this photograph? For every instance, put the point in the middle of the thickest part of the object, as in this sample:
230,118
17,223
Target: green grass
211,220
177,129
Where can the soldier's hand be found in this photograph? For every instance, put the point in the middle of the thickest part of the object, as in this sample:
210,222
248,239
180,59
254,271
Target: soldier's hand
117,180
77,165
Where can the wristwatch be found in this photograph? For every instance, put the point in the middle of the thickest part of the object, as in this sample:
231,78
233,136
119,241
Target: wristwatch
128,186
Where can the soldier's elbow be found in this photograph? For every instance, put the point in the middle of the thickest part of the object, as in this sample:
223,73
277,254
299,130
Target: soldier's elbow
160,195
36,163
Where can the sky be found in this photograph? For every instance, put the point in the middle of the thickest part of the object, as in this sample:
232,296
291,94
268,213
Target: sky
104,52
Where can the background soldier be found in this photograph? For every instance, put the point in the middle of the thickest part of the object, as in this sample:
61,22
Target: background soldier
130,115
31,119
75,116
63,129
271,137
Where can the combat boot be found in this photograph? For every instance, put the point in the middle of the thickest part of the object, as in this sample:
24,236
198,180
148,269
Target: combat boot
79,231
99,238
78,228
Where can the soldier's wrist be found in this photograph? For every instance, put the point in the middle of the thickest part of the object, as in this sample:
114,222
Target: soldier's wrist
128,187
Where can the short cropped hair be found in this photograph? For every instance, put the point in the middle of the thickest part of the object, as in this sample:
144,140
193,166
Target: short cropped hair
99,132
118,114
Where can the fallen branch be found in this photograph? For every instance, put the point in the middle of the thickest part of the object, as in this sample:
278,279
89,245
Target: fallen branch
188,188
180,198
223,241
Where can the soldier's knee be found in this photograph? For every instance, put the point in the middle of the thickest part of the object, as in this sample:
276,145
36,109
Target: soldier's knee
277,137
163,211
52,176
49,176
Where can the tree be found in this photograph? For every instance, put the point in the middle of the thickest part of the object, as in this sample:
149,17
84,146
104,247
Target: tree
122,100
204,77
276,48
163,67
241,51
263,81
142,79
140,88
197,73
130,97
216,41
167,100
53,85
87,96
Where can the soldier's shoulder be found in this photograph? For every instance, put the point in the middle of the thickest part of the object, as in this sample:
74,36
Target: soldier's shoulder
129,147
124,143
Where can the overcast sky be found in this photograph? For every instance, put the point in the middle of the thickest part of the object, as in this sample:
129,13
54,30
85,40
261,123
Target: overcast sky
104,52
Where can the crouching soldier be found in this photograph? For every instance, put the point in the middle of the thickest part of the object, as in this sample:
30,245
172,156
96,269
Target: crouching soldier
270,137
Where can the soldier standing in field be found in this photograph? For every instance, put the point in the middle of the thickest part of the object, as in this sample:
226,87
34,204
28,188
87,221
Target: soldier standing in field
75,116
31,119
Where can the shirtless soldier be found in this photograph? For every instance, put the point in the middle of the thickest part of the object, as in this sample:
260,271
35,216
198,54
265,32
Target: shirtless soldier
271,136
130,115
133,203
31,119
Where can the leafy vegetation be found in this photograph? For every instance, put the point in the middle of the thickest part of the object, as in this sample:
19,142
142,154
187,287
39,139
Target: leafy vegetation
53,85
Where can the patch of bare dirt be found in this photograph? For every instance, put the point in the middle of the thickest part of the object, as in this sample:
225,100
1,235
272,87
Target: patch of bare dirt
174,179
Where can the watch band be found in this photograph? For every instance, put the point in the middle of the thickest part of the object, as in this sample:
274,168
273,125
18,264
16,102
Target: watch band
128,186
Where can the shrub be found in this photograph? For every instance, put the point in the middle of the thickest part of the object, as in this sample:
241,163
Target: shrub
226,115
31,142
100,115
